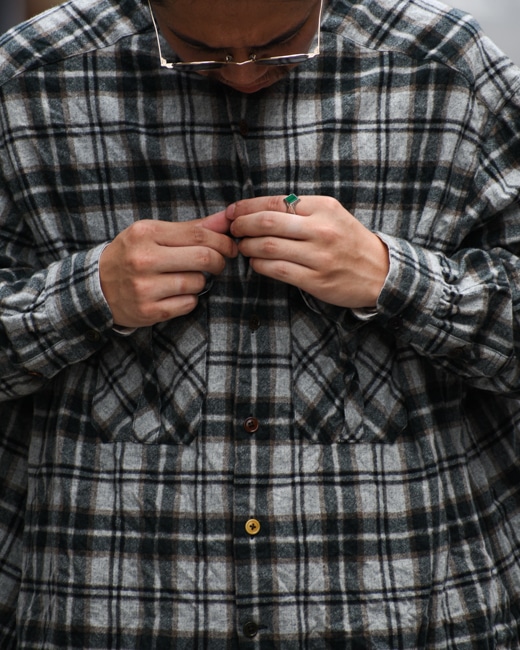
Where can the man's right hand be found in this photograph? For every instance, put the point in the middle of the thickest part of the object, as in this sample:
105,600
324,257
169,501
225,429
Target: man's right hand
154,270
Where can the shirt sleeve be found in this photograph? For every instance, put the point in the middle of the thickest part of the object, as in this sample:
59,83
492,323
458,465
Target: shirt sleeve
49,317
460,312
458,304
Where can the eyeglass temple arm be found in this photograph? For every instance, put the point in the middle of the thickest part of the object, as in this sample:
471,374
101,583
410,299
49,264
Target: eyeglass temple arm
164,62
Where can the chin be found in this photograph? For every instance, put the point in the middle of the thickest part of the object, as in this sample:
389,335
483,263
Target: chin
266,80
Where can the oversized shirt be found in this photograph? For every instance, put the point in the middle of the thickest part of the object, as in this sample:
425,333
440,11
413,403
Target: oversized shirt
268,471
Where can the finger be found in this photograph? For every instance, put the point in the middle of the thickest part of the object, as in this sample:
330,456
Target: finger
304,207
275,248
178,235
144,301
284,271
273,224
176,306
166,259
168,285
160,311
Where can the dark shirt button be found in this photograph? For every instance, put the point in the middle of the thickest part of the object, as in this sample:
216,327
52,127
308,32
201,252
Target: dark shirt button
459,353
93,336
254,322
33,373
250,629
396,323
251,425
243,128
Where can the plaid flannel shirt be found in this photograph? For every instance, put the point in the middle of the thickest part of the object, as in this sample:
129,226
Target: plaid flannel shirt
268,471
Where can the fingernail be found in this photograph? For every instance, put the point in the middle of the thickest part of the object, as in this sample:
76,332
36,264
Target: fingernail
230,211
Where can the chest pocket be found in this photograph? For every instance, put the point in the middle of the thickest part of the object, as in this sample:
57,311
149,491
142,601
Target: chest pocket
346,382
151,384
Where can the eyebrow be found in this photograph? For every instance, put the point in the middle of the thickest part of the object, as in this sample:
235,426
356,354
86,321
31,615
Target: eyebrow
275,41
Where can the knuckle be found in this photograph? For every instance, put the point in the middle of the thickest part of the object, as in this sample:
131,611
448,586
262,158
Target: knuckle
180,286
269,247
145,312
204,258
274,202
281,269
267,221
187,305
138,262
328,234
330,203
187,284
198,234
141,229
137,287
161,315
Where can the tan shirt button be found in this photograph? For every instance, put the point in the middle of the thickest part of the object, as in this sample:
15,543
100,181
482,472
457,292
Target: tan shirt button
253,526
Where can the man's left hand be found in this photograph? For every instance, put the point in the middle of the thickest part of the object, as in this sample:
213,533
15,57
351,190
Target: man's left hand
323,249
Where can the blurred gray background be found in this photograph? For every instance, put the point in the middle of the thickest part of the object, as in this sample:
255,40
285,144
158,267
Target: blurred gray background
499,18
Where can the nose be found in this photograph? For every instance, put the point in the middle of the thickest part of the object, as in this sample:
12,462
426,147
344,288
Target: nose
241,76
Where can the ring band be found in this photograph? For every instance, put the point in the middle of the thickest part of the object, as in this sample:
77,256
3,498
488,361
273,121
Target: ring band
291,201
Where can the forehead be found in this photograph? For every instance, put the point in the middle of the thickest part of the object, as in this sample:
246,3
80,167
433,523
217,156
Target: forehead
233,22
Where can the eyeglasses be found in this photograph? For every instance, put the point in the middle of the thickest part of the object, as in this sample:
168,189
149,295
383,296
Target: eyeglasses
289,59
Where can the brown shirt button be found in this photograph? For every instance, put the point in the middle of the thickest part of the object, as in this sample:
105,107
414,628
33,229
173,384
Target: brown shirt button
251,425
243,127
252,526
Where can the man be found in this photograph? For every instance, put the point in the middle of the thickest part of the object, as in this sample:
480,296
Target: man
260,298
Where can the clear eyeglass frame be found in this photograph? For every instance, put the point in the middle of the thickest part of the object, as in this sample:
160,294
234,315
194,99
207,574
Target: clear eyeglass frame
196,66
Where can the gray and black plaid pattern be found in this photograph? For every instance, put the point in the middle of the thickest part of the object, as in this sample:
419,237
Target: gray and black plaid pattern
379,456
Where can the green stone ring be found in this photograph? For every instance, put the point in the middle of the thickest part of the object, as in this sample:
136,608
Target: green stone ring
291,202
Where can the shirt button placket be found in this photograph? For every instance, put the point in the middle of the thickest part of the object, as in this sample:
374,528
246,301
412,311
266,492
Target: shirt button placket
249,533
251,528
